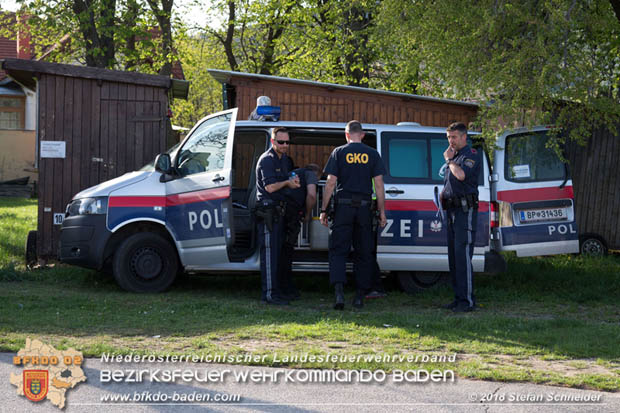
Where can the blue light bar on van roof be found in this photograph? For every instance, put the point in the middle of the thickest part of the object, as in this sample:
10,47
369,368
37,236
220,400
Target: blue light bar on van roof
269,112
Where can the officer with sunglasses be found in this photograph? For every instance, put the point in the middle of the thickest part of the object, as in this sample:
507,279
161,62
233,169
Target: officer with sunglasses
272,186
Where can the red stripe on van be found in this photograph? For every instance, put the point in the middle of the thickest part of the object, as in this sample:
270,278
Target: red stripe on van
423,205
535,194
171,200
137,201
199,196
417,205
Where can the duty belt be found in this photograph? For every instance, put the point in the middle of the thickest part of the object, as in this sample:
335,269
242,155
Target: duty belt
353,202
270,212
467,201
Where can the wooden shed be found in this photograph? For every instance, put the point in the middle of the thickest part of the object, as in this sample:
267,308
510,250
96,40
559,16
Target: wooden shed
92,125
596,185
306,100
303,100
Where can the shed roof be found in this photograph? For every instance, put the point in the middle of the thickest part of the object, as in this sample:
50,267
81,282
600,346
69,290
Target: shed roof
224,76
24,71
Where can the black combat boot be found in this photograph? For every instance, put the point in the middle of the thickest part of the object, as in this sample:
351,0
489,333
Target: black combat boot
358,301
339,305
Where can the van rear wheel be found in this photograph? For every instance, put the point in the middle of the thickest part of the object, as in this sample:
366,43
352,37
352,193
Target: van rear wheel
413,282
592,245
145,262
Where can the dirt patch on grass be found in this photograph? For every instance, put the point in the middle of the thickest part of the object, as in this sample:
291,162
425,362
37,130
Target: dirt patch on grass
567,368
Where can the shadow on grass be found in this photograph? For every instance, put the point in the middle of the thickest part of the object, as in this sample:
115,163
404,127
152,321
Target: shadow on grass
11,202
13,249
75,302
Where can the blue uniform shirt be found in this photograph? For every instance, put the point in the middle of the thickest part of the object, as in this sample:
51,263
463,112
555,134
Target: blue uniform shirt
469,160
298,195
269,170
355,164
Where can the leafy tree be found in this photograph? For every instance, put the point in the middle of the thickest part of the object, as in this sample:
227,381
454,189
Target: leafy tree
333,41
527,62
252,32
318,39
118,34
198,54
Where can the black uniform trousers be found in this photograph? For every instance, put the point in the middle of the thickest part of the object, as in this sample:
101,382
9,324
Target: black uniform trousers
292,226
375,275
461,239
270,250
351,225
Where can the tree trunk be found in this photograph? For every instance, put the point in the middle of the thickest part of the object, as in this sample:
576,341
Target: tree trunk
163,16
616,6
98,39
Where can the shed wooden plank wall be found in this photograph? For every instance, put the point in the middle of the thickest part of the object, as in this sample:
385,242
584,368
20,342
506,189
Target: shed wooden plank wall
597,186
318,103
109,128
302,155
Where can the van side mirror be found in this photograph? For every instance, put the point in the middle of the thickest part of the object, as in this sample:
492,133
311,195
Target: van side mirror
163,164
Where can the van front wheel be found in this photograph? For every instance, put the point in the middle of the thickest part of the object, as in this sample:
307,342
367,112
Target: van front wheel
412,282
145,262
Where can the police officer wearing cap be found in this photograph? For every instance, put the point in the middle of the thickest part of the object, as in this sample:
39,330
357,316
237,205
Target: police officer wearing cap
460,200
272,184
350,169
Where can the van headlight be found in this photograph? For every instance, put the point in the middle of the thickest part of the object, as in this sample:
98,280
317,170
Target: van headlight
87,206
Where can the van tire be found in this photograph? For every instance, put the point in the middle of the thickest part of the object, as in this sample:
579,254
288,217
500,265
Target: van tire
413,282
592,245
145,262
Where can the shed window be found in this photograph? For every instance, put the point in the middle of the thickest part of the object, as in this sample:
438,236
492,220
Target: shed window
12,112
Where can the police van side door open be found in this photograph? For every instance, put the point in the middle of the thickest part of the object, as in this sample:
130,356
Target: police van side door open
198,200
535,196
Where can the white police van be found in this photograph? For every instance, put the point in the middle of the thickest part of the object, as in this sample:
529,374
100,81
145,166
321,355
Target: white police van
191,209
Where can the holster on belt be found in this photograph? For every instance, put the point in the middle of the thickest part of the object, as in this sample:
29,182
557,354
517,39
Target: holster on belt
269,213
467,202
374,211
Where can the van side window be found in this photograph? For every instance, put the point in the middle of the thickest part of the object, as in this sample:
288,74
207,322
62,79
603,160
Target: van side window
408,158
416,158
413,157
528,159
205,149
438,147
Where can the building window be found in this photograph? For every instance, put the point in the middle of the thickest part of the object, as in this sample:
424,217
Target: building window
12,112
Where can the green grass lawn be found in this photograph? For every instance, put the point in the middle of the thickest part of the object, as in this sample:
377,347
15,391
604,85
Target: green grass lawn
552,320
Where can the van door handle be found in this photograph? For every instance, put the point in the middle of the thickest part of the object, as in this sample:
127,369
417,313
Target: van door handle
218,178
394,191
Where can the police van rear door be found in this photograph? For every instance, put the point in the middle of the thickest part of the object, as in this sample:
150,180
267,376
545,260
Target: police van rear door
415,237
535,196
199,203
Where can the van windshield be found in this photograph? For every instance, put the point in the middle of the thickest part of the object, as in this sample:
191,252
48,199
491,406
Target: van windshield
528,159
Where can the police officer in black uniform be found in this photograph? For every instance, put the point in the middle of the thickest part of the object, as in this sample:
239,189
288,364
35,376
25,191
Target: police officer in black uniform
460,200
299,205
272,184
350,169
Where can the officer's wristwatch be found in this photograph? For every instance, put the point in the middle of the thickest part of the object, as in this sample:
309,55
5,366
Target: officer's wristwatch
323,211
449,161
